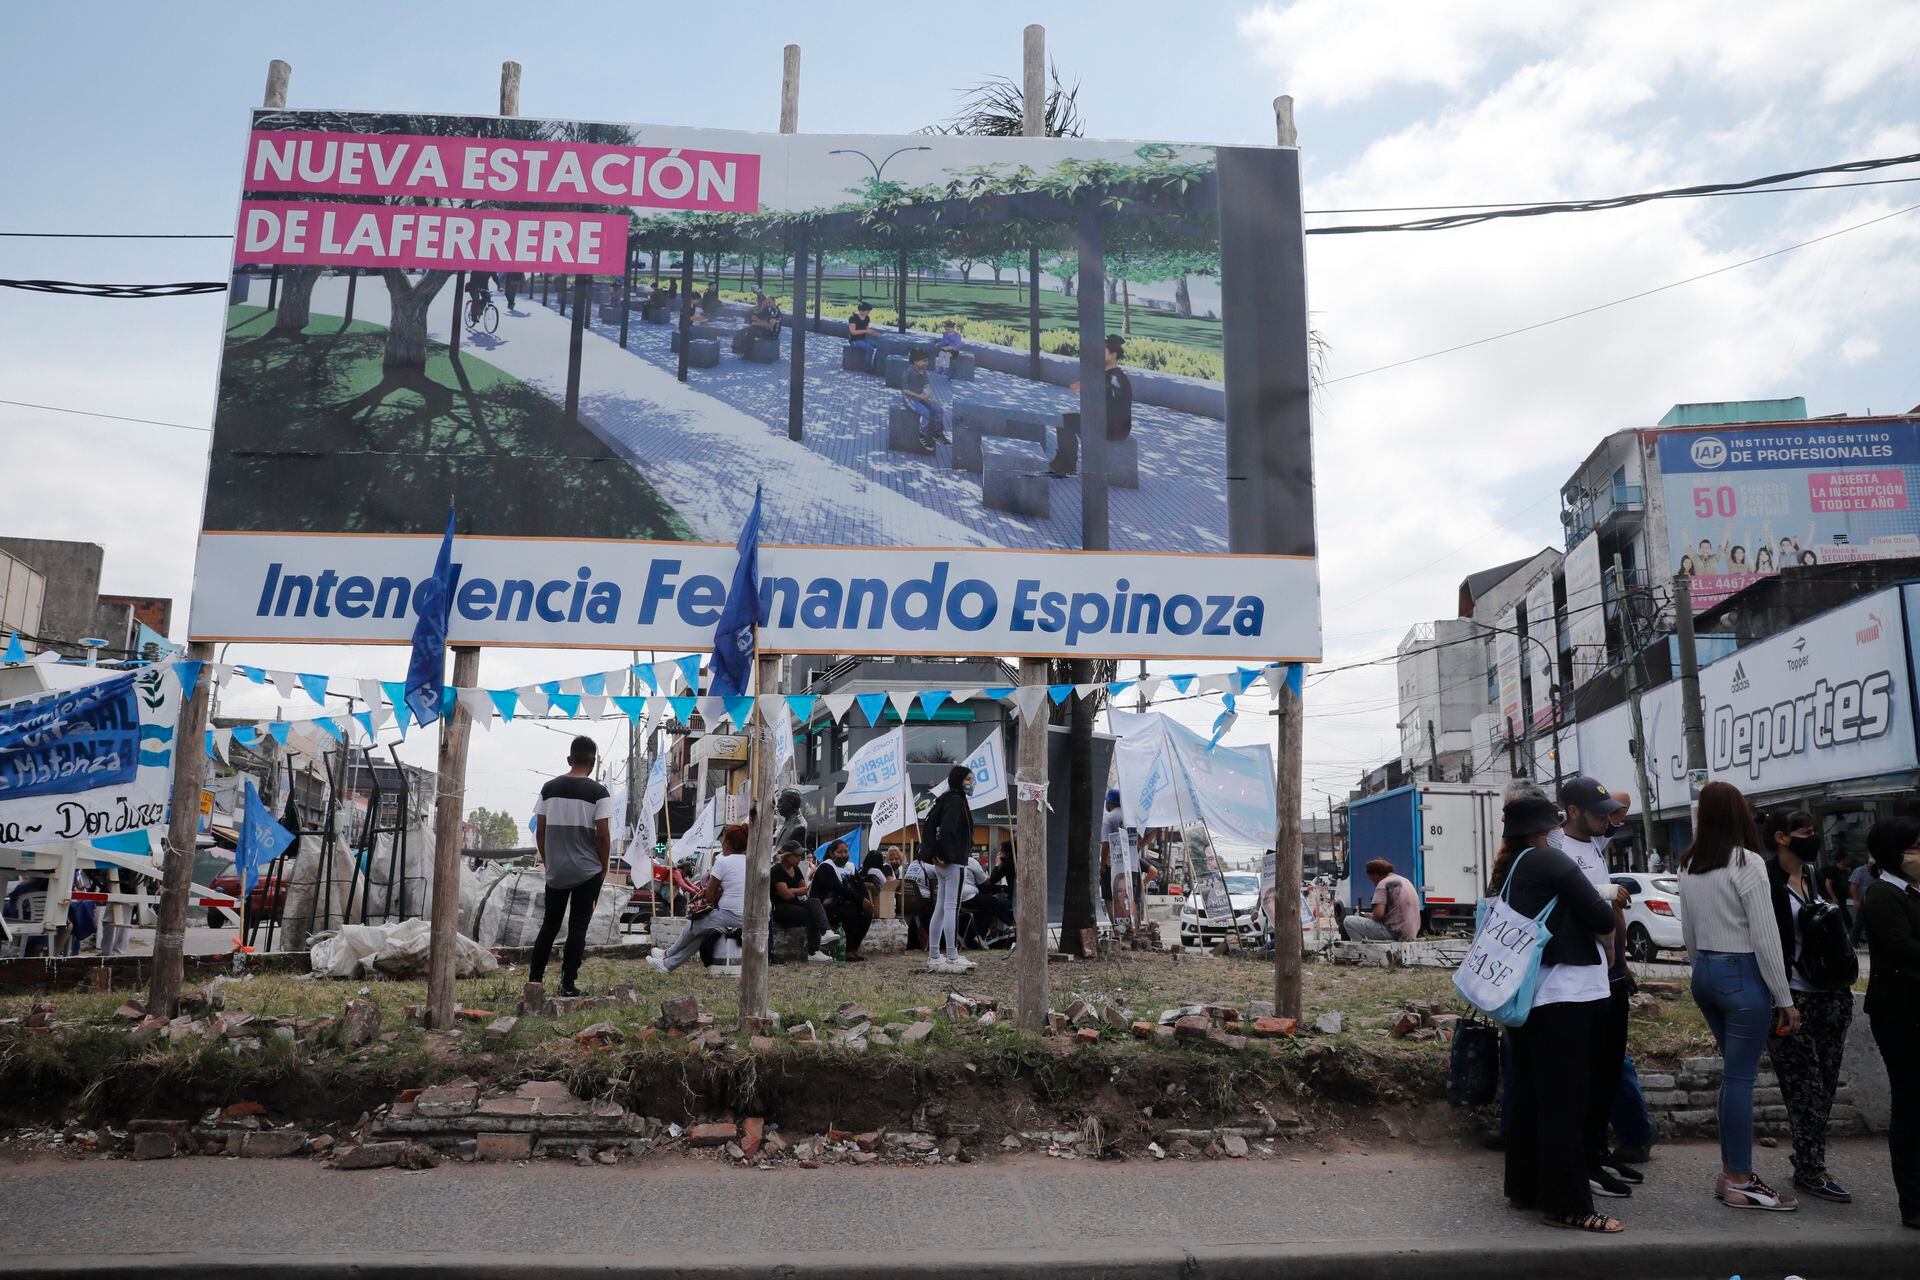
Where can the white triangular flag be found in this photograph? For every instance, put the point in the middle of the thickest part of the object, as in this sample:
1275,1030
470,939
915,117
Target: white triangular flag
533,699
1217,682
1150,686
479,705
595,705
962,695
1027,699
668,676
381,714
371,692
571,685
902,700
223,743
283,681
713,709
838,704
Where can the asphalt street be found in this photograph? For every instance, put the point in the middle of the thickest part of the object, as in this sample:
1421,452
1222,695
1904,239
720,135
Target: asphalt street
1420,1212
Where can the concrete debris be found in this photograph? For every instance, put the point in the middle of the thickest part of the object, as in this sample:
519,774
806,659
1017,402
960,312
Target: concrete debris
359,1023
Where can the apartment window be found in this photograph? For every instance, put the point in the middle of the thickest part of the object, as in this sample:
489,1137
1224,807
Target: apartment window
936,743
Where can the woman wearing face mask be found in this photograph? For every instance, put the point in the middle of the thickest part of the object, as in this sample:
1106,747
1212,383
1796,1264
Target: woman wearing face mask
1890,912
949,844
1808,1061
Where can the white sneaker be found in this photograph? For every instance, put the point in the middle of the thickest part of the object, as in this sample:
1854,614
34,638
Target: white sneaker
657,964
939,965
819,957
960,964
830,937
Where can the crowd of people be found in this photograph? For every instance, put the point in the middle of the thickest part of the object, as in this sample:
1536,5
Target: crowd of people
1772,970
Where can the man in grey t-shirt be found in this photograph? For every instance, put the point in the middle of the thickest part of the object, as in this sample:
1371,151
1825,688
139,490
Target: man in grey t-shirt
575,837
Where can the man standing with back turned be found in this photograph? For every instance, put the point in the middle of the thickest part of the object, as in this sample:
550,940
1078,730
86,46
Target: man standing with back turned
575,839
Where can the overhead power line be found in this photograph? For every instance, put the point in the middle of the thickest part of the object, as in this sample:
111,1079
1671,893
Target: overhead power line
116,417
180,289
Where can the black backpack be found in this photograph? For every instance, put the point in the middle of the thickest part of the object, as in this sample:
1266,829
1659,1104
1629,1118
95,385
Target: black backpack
1827,958
1473,1068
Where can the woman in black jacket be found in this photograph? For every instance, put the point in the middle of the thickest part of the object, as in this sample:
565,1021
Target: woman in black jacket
1558,1050
949,842
1890,914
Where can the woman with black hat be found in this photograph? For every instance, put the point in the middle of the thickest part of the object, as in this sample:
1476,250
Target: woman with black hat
1556,1052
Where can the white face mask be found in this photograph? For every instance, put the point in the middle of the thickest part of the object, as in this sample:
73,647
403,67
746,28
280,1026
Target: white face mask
1910,868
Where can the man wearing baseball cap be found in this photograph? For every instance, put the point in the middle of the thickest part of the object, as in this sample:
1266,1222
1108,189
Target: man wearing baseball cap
1591,810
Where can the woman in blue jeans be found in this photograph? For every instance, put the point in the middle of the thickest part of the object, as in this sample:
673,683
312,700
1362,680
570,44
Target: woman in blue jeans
1739,975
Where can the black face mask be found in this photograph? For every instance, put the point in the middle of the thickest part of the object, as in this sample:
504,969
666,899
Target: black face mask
1804,847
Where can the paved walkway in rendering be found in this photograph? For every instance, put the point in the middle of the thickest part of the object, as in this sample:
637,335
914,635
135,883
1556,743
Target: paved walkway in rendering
702,454
1399,1212
1180,506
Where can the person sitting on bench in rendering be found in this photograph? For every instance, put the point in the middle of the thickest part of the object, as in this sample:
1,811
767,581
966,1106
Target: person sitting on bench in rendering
1066,458
950,344
920,399
762,322
860,332
710,304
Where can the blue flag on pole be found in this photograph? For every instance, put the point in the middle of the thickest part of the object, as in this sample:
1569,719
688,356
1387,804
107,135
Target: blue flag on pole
426,673
262,839
733,637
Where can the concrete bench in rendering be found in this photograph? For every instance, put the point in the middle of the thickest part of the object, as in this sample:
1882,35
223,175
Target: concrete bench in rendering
903,431
1013,477
973,423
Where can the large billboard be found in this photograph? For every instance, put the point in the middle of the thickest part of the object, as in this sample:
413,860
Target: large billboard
1742,504
1828,701
1541,652
404,334
1586,612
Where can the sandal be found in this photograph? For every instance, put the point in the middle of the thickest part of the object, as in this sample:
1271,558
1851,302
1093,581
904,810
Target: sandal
1597,1223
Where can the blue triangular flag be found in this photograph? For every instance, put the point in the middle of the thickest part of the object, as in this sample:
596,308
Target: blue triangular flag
331,727
645,672
261,839
448,696
1248,675
366,721
187,673
246,735
740,711
1059,692
316,687
1296,678
871,705
998,692
801,704
16,652
506,701
690,671
277,729
567,704
427,670
1117,687
211,753
595,684
631,706
549,687
734,635
930,700
1181,682
682,709
1224,721
396,692
255,674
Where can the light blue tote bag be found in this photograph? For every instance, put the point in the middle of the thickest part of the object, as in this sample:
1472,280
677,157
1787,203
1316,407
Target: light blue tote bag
1502,968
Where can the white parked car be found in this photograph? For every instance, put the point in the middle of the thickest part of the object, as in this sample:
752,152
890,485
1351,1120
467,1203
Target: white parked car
1199,929
1653,914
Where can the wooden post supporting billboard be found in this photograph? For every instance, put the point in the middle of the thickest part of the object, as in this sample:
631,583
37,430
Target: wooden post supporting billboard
190,770
1030,780
1286,835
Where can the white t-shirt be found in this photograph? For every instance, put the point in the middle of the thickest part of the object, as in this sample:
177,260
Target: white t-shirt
1589,855
730,869
1119,841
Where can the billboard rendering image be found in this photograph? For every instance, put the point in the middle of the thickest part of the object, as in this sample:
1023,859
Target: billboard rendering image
490,313
1743,504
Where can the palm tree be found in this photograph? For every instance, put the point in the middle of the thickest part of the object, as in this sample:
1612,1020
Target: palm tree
996,108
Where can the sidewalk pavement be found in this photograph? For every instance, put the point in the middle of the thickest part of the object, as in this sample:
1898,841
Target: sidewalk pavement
1302,1214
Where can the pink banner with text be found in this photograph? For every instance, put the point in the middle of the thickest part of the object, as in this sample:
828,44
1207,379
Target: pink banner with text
354,235
507,169
1831,491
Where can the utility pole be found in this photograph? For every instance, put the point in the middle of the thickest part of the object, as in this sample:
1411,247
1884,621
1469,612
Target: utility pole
1288,709
450,789
1691,712
190,768
1633,706
633,749
1433,754
1030,779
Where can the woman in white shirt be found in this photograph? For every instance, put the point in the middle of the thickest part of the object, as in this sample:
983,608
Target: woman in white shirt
1739,976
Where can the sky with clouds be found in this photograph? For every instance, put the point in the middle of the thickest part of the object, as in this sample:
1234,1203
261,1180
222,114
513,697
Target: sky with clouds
1426,471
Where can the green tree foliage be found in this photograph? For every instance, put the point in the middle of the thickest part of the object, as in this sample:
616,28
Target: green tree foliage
494,829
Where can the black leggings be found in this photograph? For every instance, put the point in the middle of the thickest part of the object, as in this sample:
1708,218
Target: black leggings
1553,1069
576,904
849,916
803,911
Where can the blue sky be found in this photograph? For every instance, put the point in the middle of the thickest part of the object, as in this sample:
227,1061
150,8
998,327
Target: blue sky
1398,103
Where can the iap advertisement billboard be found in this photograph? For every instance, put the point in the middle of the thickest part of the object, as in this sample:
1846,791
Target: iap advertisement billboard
1742,504
402,335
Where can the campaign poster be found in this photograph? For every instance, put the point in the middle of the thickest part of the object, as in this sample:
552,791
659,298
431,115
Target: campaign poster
1744,504
597,341
1541,652
89,762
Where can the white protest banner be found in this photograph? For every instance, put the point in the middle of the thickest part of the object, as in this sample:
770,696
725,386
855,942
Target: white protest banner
91,761
780,725
988,764
1168,775
877,770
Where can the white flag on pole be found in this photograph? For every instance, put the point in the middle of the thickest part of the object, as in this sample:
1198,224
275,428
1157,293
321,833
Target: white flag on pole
893,812
876,772
701,833
988,764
